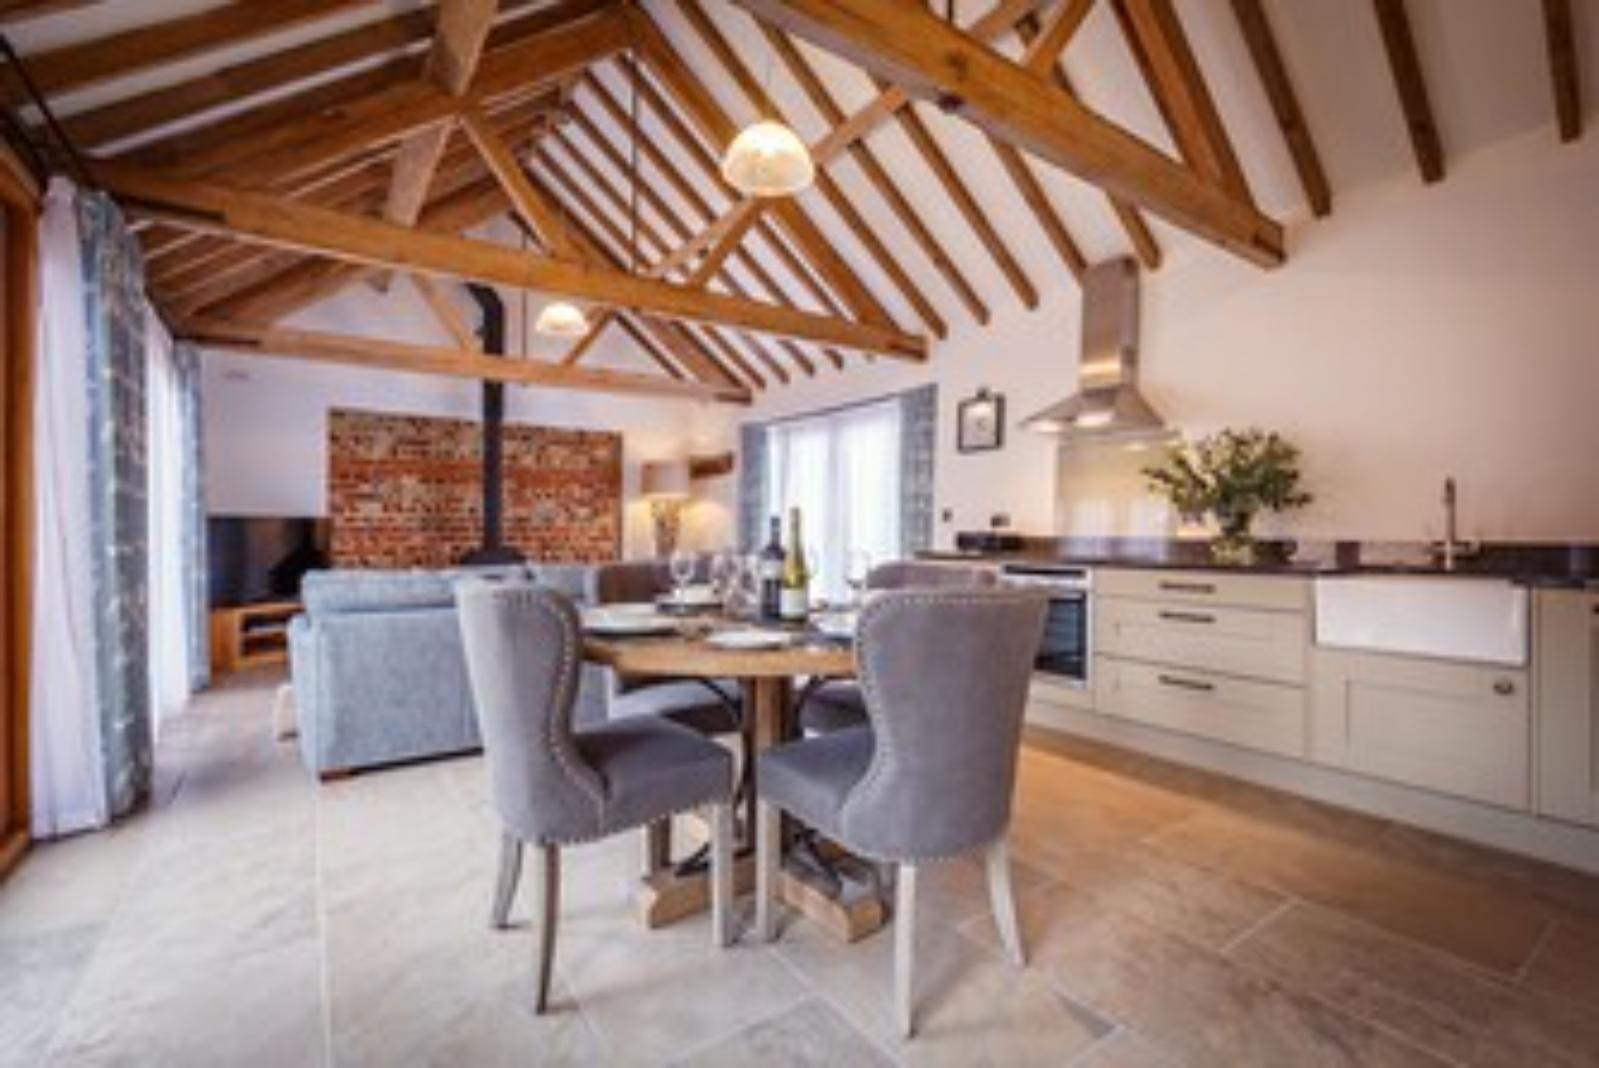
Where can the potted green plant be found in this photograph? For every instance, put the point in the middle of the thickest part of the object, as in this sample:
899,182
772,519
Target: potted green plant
1231,476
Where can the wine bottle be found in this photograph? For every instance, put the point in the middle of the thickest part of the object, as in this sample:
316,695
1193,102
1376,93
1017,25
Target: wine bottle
795,602
772,572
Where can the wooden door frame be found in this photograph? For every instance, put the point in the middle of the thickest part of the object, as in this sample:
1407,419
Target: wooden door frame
20,200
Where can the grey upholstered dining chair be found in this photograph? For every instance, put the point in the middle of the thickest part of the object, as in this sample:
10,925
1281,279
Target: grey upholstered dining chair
555,785
945,674
837,704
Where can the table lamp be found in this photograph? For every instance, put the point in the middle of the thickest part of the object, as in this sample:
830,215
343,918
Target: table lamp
665,485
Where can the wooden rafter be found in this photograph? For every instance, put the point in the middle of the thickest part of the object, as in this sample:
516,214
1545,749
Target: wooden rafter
447,312
1038,202
86,63
522,68
672,219
22,10
857,224
1044,53
682,134
585,193
877,174
579,195
703,110
1560,39
1160,47
540,216
436,360
1400,45
1268,60
463,30
911,47
1132,221
274,221
955,188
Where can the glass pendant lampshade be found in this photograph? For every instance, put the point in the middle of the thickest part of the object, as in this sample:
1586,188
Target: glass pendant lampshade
767,159
561,319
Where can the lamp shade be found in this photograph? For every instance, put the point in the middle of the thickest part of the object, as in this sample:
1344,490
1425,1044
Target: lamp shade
561,319
665,479
767,159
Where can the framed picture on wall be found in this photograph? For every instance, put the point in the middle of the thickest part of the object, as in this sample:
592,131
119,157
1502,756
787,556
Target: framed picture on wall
980,422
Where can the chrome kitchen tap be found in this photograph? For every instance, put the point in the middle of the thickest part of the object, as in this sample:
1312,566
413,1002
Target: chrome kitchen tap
1452,549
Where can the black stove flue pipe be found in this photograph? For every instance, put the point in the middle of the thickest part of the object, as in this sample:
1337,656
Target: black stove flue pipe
491,331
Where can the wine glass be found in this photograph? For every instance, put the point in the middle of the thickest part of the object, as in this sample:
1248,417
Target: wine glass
859,565
724,574
682,566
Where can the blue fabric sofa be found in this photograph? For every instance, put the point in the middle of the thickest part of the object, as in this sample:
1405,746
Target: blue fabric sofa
379,674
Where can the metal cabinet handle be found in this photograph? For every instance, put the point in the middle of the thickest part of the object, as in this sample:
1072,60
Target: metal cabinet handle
1186,617
1186,684
1504,687
1188,587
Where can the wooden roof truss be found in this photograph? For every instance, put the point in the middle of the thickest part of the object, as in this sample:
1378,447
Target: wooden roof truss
370,151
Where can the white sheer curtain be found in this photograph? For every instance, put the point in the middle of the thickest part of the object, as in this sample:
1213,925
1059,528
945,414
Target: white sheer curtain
66,749
842,470
169,633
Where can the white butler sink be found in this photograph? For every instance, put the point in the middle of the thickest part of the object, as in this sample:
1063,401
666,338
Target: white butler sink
1475,619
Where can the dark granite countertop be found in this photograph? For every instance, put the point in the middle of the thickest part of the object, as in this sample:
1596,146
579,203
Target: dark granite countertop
1573,566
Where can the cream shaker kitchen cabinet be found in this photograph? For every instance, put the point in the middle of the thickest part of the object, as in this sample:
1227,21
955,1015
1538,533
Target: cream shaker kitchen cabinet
1566,673
1458,728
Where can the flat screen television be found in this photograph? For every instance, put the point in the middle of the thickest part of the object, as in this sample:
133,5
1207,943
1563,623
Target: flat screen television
262,558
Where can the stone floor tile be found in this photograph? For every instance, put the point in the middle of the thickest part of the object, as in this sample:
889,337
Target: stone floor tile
37,975
810,1035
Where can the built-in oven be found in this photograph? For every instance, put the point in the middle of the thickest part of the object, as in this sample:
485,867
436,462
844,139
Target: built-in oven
1065,653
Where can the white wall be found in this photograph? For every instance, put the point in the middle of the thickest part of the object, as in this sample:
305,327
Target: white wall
266,419
1415,333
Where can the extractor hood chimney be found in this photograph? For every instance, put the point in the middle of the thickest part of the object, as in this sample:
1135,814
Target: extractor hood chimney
1107,404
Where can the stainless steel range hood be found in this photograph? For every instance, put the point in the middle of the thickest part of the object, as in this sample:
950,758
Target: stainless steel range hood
1107,404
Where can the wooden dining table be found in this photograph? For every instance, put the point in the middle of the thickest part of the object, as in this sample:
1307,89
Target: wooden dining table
766,680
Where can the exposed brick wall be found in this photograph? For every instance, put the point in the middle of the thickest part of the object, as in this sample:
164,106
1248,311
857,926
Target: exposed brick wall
406,491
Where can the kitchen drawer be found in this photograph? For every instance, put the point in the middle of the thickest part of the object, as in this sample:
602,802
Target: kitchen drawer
1257,715
1235,641
1288,593
1457,728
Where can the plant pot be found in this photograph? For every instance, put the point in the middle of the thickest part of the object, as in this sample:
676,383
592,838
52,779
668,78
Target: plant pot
1235,544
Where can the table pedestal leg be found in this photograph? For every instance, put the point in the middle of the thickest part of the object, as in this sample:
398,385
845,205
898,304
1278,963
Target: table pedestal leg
849,914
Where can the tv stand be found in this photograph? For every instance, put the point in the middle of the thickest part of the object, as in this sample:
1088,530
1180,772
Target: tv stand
250,636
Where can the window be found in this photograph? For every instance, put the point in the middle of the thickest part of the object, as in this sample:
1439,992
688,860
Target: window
842,471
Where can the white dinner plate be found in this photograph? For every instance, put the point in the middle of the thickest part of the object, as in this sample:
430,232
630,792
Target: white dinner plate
626,622
691,597
836,624
749,639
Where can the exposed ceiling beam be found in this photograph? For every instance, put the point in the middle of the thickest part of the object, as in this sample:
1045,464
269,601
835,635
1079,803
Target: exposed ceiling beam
906,44
1160,47
927,146
436,360
1561,39
22,10
1045,52
275,221
447,312
1132,221
663,210
599,225
86,63
1262,44
822,100
287,148
1044,213
1400,45
541,217
463,29
703,110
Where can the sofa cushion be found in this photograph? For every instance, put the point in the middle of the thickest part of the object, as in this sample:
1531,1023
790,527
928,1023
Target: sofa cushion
345,591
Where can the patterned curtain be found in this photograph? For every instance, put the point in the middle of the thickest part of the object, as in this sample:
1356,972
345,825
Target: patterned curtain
196,597
918,430
752,486
114,306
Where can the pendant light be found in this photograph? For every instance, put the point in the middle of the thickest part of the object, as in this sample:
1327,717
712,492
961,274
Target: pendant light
767,158
561,318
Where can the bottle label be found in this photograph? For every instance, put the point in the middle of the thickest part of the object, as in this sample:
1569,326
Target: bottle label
795,604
